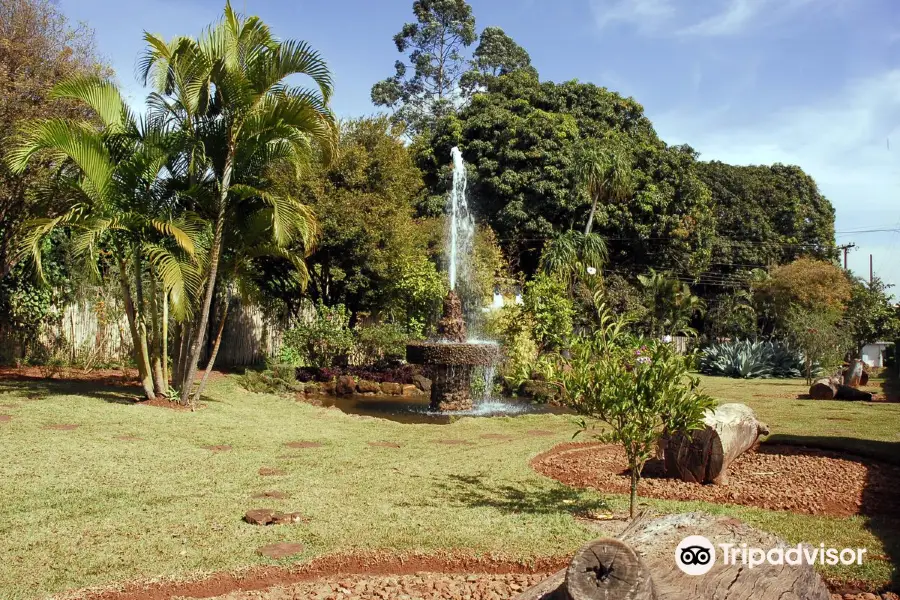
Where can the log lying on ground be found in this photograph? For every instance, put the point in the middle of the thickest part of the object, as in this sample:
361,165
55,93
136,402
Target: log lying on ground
641,566
845,392
825,388
704,455
833,388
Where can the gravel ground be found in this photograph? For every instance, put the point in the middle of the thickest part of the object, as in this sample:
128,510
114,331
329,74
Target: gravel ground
773,477
419,586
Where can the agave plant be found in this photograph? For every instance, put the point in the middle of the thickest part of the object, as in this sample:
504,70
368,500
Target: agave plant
747,359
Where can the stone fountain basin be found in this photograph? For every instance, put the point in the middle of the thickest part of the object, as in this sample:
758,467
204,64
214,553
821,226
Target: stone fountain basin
452,353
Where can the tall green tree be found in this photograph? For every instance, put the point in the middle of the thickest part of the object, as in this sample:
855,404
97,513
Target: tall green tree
229,94
39,48
521,138
426,87
121,205
497,54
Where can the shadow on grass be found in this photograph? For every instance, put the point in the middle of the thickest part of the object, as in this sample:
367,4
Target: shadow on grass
479,491
888,452
32,388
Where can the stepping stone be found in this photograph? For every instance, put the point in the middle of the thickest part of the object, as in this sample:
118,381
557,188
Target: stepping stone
5,418
383,444
497,436
269,471
272,494
539,432
221,448
267,516
453,442
62,427
303,445
280,550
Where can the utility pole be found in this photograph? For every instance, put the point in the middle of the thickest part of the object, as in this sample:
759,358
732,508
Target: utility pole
846,248
871,271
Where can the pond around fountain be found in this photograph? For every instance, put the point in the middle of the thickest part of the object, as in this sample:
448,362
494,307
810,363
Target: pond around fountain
417,410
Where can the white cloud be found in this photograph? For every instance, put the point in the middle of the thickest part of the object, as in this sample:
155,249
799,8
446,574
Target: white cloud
841,141
646,15
715,18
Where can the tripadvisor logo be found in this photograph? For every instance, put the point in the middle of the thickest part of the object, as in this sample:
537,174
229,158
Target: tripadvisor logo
696,555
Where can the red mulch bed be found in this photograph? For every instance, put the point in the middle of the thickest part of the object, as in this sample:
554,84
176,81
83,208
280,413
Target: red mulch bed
369,576
773,477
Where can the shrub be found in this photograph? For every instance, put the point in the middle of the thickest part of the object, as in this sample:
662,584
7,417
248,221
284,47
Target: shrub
381,342
550,308
745,359
323,341
279,381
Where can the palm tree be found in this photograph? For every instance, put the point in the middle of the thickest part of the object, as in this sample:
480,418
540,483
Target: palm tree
228,93
122,206
574,255
605,174
670,303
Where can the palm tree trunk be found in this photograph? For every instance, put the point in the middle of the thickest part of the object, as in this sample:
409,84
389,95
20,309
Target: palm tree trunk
156,356
193,355
215,349
165,338
138,342
590,221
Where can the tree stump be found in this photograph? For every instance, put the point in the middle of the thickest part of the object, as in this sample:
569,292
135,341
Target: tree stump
704,455
652,574
853,374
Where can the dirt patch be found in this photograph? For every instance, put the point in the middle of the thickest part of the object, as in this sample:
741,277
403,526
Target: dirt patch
454,442
219,448
496,436
129,438
280,550
383,444
300,445
379,568
267,516
538,432
62,426
272,494
773,477
5,418
104,376
270,472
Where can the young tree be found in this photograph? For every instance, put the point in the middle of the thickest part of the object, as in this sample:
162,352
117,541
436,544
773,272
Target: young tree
443,28
870,314
638,391
818,334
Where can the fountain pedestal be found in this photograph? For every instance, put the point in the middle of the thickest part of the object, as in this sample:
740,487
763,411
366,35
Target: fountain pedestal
450,360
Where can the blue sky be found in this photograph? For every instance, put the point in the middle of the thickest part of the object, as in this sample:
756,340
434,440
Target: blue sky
808,82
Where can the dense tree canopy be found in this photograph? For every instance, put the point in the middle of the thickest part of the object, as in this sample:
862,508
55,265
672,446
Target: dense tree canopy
521,139
767,215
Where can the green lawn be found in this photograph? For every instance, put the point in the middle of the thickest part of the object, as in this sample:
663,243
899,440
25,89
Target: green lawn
81,508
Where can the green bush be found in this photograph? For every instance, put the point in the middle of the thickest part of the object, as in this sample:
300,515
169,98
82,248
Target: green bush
323,341
383,341
745,359
280,381
551,310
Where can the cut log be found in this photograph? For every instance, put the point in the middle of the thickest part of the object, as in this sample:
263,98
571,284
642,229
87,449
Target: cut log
853,374
608,569
825,388
845,392
704,455
651,544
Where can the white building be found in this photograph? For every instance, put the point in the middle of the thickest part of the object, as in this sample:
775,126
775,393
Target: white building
873,354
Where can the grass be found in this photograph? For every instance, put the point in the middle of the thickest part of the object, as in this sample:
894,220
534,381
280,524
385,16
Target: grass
82,508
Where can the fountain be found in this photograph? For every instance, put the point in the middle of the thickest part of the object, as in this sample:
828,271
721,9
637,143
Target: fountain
452,358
